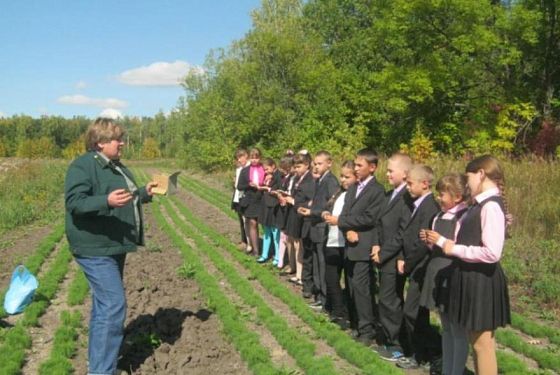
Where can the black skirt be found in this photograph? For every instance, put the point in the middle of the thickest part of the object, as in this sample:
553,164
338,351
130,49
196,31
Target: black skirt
294,223
280,218
479,299
267,216
253,208
435,290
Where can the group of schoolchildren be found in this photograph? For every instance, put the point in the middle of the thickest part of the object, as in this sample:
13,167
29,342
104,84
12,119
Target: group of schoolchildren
445,250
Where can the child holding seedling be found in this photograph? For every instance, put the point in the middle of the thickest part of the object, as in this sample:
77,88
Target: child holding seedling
451,191
269,206
479,300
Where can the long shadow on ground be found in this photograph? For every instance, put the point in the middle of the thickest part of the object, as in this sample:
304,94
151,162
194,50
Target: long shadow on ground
147,332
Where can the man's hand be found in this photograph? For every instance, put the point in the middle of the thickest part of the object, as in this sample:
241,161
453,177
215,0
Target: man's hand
352,236
119,198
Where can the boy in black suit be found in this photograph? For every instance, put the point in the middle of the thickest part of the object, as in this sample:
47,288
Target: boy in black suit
394,215
357,221
423,340
314,232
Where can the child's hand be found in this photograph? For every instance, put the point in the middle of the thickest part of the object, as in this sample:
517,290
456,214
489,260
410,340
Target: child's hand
422,235
304,211
448,247
375,253
352,236
149,186
331,220
431,236
290,200
509,220
400,266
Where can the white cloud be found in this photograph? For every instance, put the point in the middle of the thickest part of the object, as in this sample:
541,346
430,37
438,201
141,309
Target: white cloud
159,74
93,102
111,113
80,85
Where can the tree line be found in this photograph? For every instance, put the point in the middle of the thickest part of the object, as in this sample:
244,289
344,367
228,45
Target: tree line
427,76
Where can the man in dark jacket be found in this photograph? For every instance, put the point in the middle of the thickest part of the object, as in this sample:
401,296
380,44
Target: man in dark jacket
103,223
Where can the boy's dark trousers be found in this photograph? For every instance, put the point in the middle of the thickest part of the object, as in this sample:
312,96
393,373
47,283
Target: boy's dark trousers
361,277
307,270
334,264
391,300
423,340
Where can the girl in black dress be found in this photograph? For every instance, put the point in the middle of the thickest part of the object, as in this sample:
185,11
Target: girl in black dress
250,178
269,206
479,299
452,194
300,196
286,164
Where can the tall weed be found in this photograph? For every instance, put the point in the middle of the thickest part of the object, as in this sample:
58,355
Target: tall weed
31,191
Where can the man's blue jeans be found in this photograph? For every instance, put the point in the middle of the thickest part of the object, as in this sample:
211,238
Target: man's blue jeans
108,311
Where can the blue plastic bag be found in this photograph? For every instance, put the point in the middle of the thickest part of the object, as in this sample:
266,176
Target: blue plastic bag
21,290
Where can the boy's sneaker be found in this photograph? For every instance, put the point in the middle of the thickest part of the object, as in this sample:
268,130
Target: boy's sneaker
407,363
390,353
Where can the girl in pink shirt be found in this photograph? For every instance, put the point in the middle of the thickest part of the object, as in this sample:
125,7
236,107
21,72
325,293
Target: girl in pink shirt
250,178
479,299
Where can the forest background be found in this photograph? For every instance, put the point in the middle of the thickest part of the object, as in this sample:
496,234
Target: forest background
441,79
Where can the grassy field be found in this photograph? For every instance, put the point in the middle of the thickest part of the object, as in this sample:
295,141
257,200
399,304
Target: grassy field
259,314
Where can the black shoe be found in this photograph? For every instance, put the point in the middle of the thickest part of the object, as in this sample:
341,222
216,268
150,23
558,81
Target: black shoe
366,340
316,304
307,295
408,363
436,366
343,323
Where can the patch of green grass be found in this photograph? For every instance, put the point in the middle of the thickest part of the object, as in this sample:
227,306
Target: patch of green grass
545,359
78,289
186,271
35,261
29,192
64,345
17,339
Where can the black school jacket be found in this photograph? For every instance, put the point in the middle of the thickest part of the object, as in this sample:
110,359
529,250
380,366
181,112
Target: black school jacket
361,214
250,193
394,216
415,251
325,188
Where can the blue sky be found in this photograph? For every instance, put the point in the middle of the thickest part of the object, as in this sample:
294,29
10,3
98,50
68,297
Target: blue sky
83,57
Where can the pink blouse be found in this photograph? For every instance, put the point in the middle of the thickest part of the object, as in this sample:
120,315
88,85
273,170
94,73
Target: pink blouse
256,174
493,227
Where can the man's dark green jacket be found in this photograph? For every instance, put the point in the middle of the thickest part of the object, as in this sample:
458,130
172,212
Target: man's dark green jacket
92,227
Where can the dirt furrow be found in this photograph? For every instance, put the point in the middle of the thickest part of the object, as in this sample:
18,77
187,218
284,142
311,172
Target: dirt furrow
278,353
201,208
169,329
16,246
